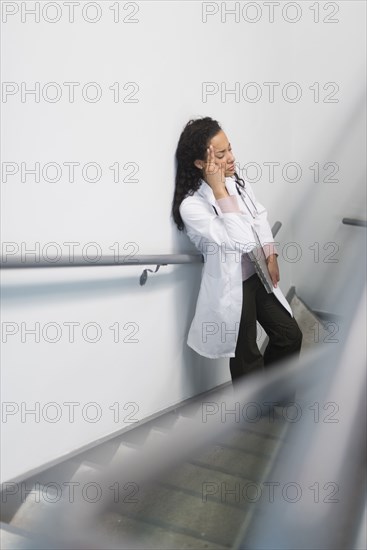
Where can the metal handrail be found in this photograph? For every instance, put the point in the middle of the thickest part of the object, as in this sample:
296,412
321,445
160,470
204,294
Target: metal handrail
354,221
18,262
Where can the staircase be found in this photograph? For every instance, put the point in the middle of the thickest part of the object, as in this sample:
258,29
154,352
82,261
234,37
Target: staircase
202,502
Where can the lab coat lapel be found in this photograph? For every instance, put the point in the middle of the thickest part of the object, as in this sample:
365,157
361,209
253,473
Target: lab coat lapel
206,192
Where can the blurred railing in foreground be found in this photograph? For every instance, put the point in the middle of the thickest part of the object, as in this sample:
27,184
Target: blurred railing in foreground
326,459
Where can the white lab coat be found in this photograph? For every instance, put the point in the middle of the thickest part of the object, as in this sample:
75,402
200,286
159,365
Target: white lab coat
220,238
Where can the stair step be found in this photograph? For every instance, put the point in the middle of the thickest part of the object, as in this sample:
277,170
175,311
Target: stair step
315,331
33,511
195,409
166,422
231,461
177,510
221,481
137,436
191,410
249,441
54,476
118,527
87,471
124,454
57,474
101,454
13,538
210,484
270,426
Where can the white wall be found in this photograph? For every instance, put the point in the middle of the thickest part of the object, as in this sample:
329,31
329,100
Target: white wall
335,133
169,53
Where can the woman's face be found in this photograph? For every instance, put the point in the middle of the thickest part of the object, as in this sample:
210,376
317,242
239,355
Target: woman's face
222,153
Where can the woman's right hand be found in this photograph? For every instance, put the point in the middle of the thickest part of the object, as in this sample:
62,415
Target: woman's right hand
214,174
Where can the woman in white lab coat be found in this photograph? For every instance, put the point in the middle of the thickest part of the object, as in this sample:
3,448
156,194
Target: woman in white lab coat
221,215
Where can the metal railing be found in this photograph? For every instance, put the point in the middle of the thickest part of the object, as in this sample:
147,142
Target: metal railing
108,260
354,221
18,262
322,374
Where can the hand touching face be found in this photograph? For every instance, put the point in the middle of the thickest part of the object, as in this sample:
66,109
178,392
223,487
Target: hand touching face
219,161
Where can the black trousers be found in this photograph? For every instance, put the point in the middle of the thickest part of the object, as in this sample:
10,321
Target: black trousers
285,336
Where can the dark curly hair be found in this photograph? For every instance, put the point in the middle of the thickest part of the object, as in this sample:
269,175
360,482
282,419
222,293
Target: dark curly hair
192,145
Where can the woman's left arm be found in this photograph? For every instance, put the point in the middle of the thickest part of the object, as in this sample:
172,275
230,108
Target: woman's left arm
262,226
273,269
265,234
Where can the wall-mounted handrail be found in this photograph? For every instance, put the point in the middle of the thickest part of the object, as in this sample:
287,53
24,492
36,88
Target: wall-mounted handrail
354,221
19,262
276,228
